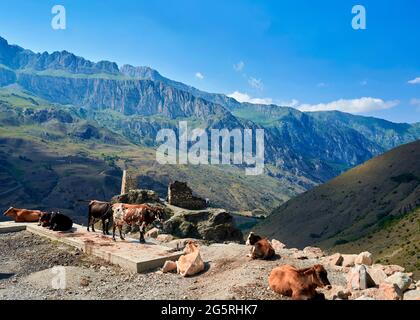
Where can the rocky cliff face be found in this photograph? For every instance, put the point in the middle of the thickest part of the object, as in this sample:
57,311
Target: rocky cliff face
6,77
130,97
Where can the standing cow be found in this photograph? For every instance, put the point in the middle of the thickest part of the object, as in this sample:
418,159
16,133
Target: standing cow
141,215
100,210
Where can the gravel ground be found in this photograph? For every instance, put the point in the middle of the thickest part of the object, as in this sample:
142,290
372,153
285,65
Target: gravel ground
26,261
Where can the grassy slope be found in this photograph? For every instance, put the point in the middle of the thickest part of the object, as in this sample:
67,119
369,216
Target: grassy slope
397,241
353,204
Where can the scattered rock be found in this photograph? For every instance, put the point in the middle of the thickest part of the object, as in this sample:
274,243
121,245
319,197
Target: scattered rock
165,238
277,245
359,279
385,291
313,252
402,280
84,282
391,269
412,295
364,258
334,260
337,293
348,260
300,255
152,233
389,292
377,274
364,298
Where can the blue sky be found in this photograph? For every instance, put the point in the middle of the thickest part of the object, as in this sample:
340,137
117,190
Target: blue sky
303,53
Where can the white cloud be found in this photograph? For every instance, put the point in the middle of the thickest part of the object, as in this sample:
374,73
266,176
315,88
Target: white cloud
361,105
199,76
415,81
364,83
238,67
322,85
415,102
292,103
244,97
256,83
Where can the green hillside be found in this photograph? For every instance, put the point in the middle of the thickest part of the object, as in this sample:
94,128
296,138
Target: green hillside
397,241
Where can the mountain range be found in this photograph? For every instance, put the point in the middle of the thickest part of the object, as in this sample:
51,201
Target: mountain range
119,110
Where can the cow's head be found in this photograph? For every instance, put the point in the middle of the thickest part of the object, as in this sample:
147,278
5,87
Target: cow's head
159,214
44,219
9,212
252,239
320,275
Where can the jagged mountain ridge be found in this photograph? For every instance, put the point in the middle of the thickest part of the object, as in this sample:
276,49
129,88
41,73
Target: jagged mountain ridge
306,145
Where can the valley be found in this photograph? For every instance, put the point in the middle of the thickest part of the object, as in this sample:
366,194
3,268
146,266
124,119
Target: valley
69,126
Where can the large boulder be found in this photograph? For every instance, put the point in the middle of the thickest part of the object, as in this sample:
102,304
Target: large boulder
334,260
364,258
214,225
277,245
348,260
313,252
385,291
412,295
138,196
358,278
377,274
402,280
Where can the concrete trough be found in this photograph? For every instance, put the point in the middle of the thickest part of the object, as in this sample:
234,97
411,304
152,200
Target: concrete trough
128,254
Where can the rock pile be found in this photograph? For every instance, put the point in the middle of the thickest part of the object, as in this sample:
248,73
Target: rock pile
180,195
213,225
138,196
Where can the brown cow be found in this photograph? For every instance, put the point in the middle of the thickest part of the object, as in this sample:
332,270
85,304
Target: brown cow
299,284
262,248
23,215
134,214
99,210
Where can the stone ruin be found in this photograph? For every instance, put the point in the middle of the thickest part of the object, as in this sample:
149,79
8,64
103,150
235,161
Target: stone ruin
180,195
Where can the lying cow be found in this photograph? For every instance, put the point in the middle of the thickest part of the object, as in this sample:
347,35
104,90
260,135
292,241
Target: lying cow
99,210
262,248
141,215
188,264
55,221
23,215
299,284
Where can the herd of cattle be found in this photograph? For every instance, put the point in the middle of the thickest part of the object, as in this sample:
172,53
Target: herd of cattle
118,214
285,280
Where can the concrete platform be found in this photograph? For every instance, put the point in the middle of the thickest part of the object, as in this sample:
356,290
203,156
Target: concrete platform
8,227
128,254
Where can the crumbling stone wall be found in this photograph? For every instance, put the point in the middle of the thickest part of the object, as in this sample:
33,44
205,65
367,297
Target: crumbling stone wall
180,195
